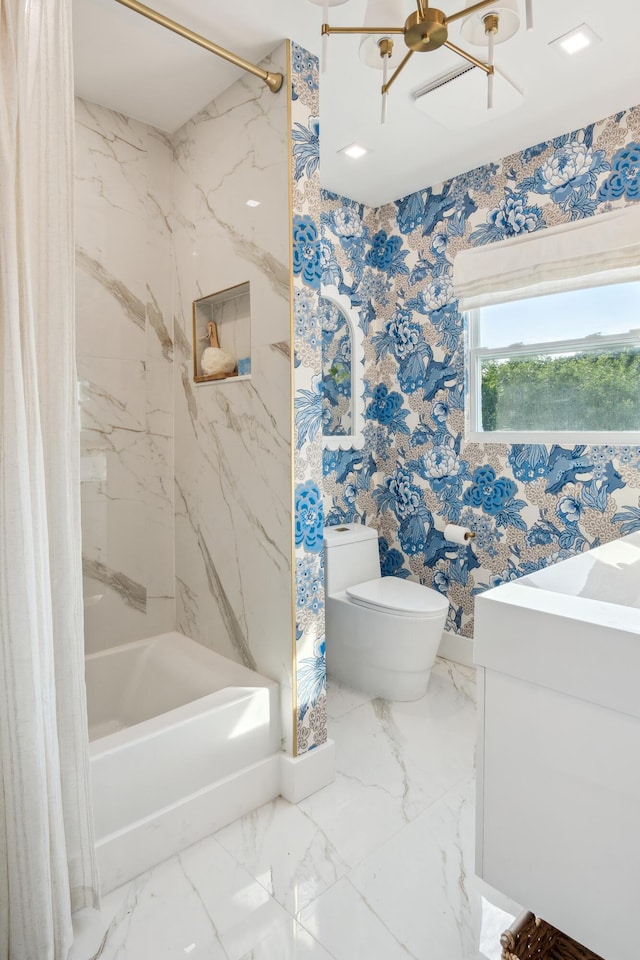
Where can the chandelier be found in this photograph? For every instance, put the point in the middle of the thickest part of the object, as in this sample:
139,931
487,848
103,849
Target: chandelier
426,30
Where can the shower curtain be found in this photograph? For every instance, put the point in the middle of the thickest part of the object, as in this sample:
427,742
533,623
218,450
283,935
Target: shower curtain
47,865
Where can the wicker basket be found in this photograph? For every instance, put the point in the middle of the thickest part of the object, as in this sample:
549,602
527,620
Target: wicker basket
530,938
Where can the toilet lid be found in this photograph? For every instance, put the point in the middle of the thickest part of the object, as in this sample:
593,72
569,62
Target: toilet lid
393,594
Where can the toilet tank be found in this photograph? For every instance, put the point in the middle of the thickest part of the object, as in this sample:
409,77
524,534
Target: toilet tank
350,556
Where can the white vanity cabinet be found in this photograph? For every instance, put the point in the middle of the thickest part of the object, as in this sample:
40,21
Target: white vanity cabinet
558,803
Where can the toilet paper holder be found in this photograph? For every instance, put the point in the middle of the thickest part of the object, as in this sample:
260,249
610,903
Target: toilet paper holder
457,534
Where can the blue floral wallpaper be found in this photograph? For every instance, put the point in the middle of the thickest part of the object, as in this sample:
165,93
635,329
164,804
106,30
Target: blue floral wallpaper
310,693
530,505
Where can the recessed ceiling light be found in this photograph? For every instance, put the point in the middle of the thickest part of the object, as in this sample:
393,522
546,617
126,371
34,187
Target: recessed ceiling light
253,203
354,150
576,40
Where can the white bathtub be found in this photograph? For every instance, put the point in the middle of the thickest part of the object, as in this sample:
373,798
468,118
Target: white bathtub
183,741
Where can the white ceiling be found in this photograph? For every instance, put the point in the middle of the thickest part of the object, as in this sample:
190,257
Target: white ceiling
125,62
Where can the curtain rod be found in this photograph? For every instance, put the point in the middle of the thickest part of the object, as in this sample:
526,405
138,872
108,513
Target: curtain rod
272,80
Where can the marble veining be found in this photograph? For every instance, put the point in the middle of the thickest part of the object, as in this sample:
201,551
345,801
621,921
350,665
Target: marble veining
125,345
384,716
234,629
313,864
232,439
275,271
112,394
181,342
189,395
133,308
344,875
189,605
283,347
254,429
133,594
159,406
156,320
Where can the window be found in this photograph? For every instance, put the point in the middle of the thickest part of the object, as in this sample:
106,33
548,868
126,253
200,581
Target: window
563,367
554,332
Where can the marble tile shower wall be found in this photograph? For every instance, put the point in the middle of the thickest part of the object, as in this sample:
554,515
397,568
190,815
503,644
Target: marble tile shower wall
124,347
530,505
162,222
233,439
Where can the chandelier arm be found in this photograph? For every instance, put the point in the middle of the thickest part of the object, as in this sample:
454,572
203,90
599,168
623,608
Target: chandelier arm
421,7
385,77
384,31
468,11
470,57
491,41
387,86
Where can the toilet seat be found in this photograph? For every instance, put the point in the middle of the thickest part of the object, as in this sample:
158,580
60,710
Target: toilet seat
403,598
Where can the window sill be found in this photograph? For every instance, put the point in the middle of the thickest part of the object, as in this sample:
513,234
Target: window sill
613,438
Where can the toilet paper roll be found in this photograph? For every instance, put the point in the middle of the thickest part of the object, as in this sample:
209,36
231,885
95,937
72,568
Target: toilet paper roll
457,534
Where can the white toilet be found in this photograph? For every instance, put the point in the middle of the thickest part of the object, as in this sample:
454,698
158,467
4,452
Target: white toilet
382,633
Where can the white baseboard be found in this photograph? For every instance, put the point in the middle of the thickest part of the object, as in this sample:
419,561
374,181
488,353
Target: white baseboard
456,648
302,776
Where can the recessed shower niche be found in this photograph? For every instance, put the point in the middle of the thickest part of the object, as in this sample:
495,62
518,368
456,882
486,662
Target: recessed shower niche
222,335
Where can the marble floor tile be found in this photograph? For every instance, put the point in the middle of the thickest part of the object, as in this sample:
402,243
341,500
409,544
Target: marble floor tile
378,865
285,851
356,817
461,678
394,760
240,909
343,921
159,915
421,883
342,699
289,942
